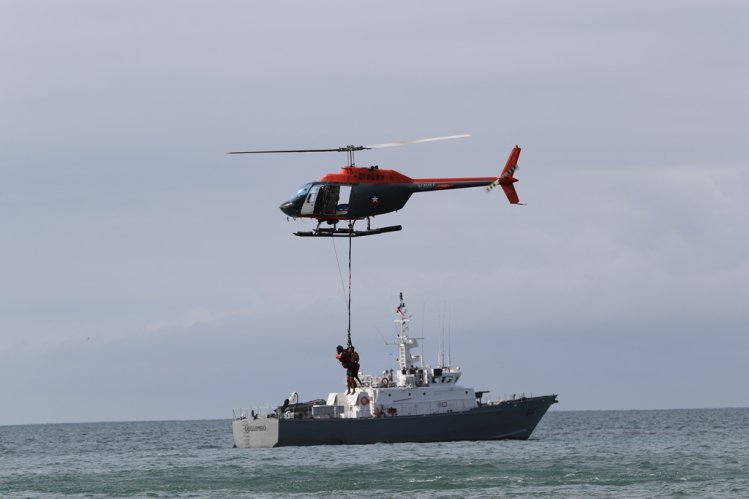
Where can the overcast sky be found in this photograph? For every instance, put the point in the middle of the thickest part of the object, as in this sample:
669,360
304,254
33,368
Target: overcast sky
145,274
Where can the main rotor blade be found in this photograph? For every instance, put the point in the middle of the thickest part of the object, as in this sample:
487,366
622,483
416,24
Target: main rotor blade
337,149
419,141
357,148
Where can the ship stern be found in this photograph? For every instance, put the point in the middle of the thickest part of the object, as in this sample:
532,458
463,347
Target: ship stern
251,433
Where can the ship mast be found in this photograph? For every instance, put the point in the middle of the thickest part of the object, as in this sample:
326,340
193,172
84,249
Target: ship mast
405,342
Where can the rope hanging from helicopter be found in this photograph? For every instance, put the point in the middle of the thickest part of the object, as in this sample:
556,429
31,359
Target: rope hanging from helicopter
347,298
348,332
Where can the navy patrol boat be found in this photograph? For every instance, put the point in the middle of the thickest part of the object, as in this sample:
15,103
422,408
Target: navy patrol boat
410,404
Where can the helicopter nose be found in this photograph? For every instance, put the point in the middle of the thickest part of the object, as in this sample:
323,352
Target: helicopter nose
288,209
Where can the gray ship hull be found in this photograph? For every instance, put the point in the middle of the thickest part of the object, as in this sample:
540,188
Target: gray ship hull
510,419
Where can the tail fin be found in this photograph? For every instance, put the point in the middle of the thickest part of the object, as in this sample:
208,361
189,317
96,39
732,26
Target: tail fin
506,178
512,164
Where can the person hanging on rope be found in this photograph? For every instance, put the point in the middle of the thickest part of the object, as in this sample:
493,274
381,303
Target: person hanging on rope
355,366
345,358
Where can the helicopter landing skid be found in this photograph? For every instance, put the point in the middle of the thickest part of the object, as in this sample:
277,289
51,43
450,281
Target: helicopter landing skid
335,232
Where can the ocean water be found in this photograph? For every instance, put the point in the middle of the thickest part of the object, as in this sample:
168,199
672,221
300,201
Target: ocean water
670,453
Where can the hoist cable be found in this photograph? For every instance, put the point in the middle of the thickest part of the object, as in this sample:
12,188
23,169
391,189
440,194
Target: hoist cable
351,230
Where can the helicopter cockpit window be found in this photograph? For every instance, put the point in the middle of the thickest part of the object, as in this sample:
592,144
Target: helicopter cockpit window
325,199
302,191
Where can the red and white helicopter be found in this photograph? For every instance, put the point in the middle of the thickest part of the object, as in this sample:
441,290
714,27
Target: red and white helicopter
356,193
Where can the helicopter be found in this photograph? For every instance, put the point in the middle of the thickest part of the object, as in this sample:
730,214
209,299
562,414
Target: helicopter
357,193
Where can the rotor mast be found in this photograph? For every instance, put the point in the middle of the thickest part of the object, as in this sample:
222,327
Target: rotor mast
350,152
